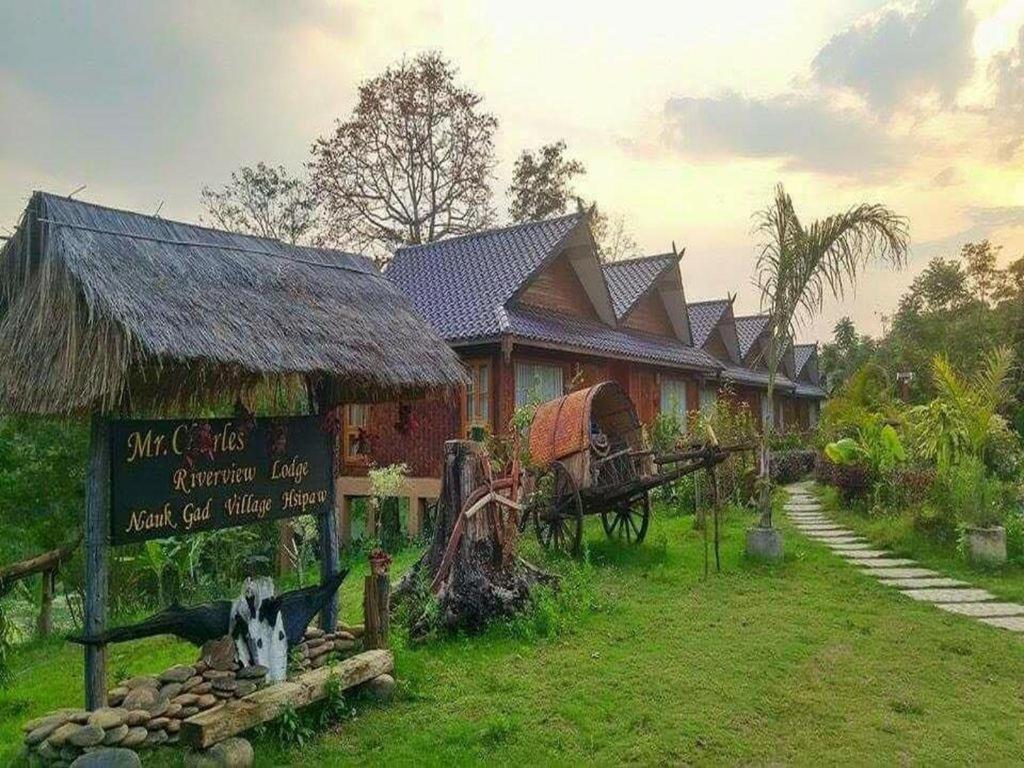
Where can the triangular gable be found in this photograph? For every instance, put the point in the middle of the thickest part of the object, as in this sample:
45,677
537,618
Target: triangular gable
806,358
570,280
752,332
714,328
648,295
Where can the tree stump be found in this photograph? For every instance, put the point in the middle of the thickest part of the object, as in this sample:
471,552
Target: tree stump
376,610
472,566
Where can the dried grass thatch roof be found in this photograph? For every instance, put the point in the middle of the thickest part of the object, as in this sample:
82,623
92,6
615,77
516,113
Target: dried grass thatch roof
107,308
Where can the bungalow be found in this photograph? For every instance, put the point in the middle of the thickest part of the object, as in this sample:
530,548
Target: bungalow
533,313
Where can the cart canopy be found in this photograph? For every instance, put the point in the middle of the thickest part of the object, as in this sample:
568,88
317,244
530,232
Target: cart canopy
563,427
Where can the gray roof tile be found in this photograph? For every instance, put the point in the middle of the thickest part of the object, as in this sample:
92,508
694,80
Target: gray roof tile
630,279
748,329
461,283
704,316
589,335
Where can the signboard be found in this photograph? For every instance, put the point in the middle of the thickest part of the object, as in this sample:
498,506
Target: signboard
176,477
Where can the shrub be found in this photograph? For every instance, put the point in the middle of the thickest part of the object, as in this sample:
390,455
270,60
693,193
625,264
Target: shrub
910,485
824,470
971,495
791,465
853,481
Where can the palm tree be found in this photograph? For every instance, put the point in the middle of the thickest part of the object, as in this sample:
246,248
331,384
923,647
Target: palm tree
799,265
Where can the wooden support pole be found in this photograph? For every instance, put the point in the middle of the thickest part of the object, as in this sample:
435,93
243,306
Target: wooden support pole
376,610
44,624
97,543
330,563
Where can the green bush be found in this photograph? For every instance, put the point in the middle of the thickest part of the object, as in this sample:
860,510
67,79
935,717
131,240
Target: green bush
791,465
971,494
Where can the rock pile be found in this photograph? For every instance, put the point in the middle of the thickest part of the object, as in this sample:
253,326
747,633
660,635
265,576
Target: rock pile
144,711
319,647
147,711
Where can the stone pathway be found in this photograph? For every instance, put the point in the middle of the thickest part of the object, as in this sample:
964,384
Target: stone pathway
922,584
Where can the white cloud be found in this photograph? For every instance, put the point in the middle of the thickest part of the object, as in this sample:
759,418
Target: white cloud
898,57
806,132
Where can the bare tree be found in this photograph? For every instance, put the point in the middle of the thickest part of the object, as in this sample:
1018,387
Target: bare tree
542,183
614,241
412,163
264,201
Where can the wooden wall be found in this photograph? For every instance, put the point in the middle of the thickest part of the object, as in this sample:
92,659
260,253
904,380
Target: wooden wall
649,315
557,288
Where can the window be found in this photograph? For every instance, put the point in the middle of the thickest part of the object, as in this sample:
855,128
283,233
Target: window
766,414
673,399
478,396
356,419
535,381
708,398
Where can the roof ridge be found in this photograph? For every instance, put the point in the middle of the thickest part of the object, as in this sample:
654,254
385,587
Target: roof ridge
637,259
204,227
706,301
492,231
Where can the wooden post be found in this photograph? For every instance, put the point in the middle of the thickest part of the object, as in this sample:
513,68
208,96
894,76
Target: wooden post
376,610
330,560
97,542
44,625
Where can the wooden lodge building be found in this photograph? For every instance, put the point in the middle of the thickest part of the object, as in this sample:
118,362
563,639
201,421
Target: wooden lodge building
533,313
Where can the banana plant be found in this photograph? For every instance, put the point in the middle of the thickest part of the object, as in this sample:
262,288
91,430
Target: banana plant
877,446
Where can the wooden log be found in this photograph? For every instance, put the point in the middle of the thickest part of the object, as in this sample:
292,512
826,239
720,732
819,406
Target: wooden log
97,543
233,717
47,561
376,611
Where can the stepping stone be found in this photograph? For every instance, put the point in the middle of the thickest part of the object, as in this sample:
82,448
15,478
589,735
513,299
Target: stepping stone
901,573
832,538
850,547
1012,623
882,562
984,610
864,553
949,595
938,581
821,528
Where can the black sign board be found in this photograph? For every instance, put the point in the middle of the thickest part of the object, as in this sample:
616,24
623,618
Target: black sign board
176,477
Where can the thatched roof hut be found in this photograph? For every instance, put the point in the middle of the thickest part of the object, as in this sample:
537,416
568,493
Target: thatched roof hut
103,308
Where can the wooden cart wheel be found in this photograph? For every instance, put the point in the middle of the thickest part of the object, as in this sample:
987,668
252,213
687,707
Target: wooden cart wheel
560,524
628,521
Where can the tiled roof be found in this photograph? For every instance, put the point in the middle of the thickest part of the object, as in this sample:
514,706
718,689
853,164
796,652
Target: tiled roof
630,279
754,378
801,354
704,315
460,284
810,390
748,329
588,335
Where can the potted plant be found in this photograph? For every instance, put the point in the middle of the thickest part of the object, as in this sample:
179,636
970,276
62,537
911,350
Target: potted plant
977,498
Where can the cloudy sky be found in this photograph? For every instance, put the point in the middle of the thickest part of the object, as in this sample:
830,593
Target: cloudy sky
685,113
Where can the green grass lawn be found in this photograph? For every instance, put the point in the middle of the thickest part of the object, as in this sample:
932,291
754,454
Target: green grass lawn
808,662
898,534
